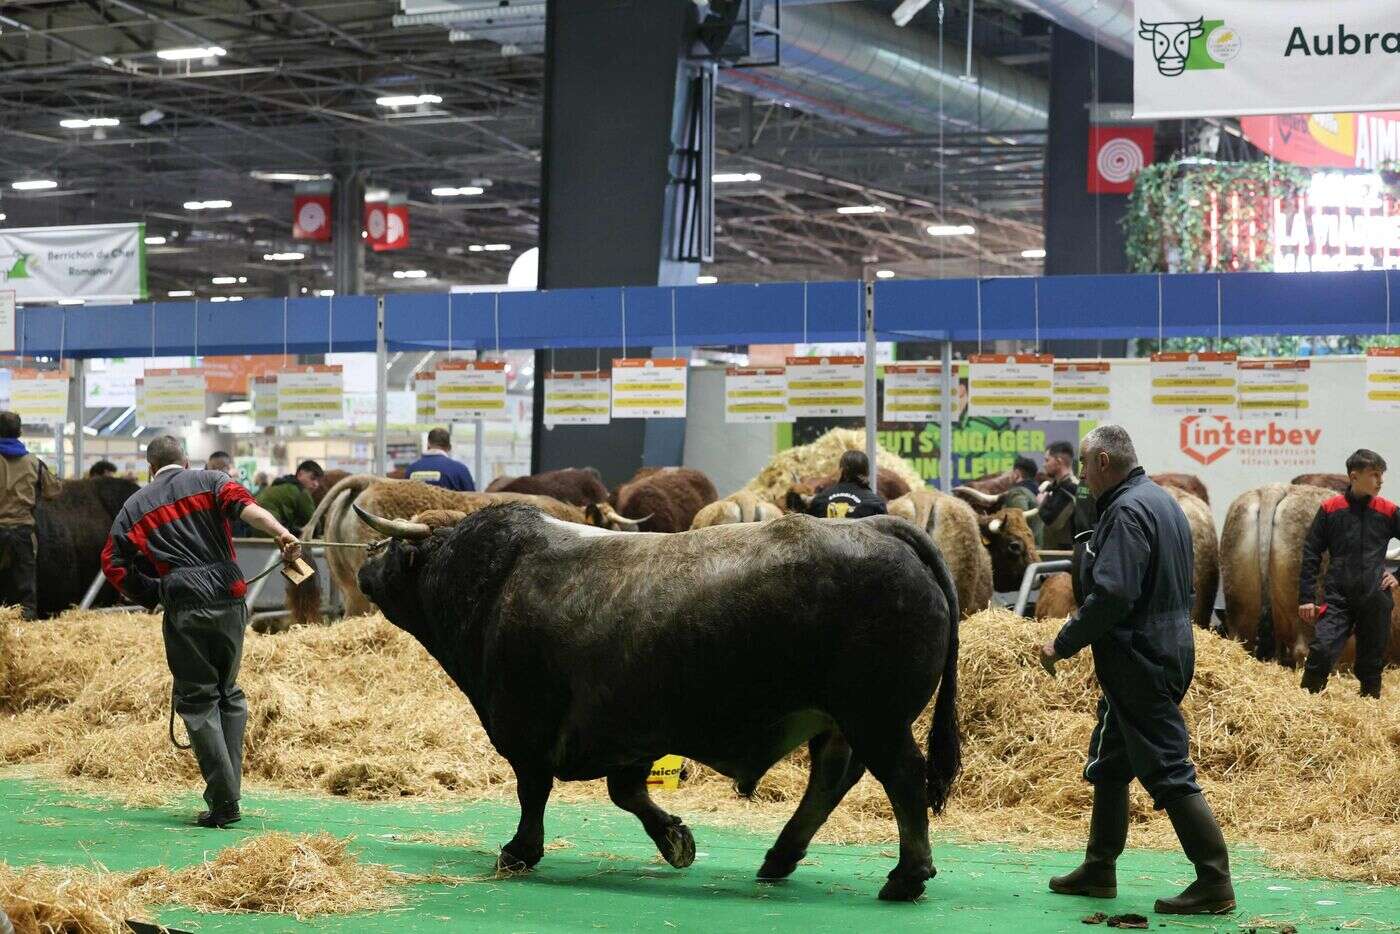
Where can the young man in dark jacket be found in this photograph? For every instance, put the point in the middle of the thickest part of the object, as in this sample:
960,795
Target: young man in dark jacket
1137,618
1354,529
172,545
851,497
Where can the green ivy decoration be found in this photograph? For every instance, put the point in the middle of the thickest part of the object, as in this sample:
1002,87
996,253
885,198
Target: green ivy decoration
1167,224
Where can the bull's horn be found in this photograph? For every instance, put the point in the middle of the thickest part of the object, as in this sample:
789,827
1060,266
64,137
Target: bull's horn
394,528
994,526
612,515
985,498
1031,513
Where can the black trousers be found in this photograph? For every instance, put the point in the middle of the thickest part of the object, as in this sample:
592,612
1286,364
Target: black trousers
1140,732
204,648
18,550
1366,615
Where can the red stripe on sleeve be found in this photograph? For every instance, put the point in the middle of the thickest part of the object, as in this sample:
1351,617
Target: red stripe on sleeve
115,575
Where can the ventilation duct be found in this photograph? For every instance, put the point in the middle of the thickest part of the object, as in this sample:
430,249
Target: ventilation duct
1110,23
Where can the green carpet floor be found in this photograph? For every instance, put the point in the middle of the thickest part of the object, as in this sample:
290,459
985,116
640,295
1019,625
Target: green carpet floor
601,874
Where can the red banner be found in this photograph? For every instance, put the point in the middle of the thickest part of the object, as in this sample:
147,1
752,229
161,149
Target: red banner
1116,155
1330,141
395,225
376,223
311,217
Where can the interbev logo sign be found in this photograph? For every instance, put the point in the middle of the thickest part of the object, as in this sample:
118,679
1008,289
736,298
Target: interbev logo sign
1207,438
1198,45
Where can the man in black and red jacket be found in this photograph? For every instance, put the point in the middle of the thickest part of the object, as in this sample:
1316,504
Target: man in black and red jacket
1354,529
171,545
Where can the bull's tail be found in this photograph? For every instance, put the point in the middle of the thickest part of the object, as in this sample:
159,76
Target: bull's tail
944,737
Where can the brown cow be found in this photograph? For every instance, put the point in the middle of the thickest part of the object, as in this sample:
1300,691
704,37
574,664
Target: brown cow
1056,598
1183,481
667,498
888,484
1262,556
995,485
1328,481
569,485
952,525
329,479
1009,540
742,506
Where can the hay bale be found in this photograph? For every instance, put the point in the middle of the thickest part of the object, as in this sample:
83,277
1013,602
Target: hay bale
822,458
276,873
42,900
369,781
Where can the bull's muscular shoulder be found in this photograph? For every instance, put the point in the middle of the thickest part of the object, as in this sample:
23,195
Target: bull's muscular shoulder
1338,503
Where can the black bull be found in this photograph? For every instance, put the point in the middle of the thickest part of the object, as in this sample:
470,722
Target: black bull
71,530
589,654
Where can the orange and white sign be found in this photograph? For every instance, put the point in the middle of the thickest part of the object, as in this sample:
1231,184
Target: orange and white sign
233,375
1274,388
40,396
1194,383
577,397
1082,390
1011,385
913,392
646,387
171,398
823,387
471,389
756,395
264,389
1383,379
308,394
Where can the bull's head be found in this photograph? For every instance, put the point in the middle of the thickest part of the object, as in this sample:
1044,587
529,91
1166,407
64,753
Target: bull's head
604,516
389,578
1171,43
1009,540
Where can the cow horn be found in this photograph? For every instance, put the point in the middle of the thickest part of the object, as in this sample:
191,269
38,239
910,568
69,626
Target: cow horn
986,499
612,515
994,526
394,528
1031,513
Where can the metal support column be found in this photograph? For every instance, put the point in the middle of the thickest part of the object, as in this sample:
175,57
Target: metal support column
381,392
80,421
346,222
479,455
871,389
59,451
945,419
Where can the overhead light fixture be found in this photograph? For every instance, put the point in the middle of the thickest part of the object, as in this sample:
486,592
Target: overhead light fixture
289,176
70,301
908,10
235,298
218,298
410,274
951,230
706,280
242,279
2,217
155,241
34,184
216,205
884,274
191,53
151,117
224,280
448,192
80,123
408,100
325,293
862,209
489,247
721,178
1032,254
179,293
283,257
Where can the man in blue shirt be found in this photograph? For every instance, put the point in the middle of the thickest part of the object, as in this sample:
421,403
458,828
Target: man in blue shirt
437,467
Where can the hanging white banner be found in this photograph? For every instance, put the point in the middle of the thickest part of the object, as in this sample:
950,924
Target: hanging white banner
1235,57
826,386
913,392
1274,388
1011,385
98,263
1194,383
40,397
471,389
1383,379
756,395
647,387
310,394
1082,390
573,397
171,398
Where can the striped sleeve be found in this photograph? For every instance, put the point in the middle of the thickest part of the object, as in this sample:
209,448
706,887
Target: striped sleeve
233,497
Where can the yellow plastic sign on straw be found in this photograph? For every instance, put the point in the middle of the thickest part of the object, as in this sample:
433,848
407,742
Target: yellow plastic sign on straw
666,773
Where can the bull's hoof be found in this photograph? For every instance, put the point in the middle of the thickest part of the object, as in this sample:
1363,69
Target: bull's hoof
509,863
901,888
676,844
776,868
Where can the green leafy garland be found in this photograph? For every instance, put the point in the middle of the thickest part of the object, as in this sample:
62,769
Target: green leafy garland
1168,220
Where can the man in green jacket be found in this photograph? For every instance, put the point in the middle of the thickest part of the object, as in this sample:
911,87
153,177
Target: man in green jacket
289,497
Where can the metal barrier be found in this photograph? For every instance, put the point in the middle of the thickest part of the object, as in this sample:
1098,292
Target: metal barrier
1031,577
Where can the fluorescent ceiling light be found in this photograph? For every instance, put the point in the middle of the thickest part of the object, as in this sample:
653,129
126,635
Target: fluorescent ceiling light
325,293
193,52
2,217
224,280
242,279
151,116
721,178
407,100
219,298
497,247
410,274
70,301
289,176
215,205
448,192
155,241
884,274
862,209
283,257
179,293
34,184
706,280
907,10
1032,254
951,230
235,298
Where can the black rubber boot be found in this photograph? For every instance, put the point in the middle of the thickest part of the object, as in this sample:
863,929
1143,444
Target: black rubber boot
1314,681
219,817
1097,877
1212,893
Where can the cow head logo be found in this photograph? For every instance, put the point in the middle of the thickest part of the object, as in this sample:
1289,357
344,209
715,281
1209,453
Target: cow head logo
1171,43
1202,441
